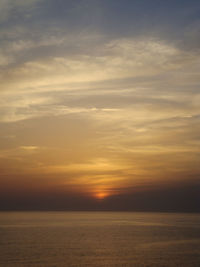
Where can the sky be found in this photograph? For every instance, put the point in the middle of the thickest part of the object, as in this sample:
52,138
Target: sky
100,105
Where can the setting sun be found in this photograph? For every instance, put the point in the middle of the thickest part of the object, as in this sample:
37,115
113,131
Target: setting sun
101,195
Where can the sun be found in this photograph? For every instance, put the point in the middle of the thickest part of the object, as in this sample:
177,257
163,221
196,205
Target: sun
101,195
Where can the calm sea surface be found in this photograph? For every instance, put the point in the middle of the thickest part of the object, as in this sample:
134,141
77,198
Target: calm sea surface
99,239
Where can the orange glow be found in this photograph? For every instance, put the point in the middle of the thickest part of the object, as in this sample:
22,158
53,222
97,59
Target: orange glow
101,195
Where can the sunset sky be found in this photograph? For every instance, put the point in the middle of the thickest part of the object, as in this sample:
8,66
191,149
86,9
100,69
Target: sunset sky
100,104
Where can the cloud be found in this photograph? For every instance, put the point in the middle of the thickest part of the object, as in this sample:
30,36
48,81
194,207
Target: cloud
29,148
116,59
73,83
10,8
105,105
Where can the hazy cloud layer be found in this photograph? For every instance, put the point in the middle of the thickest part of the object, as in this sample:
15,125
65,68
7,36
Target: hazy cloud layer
98,96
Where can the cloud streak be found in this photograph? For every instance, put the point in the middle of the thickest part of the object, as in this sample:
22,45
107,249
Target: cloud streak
99,97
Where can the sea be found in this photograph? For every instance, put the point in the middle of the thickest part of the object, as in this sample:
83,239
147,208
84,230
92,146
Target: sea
139,239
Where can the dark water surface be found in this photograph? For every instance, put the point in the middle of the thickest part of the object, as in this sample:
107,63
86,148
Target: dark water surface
99,239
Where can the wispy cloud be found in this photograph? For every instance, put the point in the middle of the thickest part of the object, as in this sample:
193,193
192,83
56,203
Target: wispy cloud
99,94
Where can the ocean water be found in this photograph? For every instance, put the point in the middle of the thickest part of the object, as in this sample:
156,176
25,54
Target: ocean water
99,239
